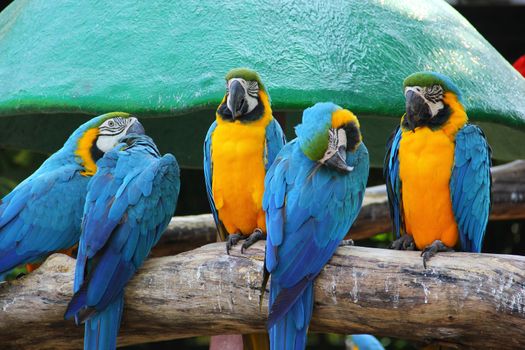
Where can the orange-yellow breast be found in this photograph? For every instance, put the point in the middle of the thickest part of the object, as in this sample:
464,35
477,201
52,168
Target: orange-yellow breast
237,154
426,159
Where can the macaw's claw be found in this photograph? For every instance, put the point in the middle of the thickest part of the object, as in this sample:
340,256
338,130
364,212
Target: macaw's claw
256,235
346,243
405,242
432,249
231,241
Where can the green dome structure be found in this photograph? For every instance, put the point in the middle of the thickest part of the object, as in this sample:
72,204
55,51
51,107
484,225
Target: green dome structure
64,61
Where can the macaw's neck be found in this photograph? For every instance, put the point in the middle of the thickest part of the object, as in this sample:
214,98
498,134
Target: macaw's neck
87,152
452,118
261,111
458,117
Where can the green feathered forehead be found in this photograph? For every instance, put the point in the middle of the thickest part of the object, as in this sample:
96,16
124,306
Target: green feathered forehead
115,115
246,74
97,121
426,79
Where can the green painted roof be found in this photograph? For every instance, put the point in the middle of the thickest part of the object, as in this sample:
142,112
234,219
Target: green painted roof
61,61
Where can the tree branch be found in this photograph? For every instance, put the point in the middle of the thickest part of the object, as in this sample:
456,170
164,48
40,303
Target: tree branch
468,300
508,197
186,233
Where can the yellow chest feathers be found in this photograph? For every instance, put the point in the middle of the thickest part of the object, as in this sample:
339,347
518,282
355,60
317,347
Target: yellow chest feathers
238,174
426,159
425,164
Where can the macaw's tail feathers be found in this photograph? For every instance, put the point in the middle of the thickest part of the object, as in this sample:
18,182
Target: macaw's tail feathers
290,332
101,330
78,309
283,301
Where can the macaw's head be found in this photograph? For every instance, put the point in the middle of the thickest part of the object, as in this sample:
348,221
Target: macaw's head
327,133
430,100
246,98
100,135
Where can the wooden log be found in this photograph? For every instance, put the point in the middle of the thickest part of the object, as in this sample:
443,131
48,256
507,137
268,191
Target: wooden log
463,300
186,233
508,203
508,191
189,232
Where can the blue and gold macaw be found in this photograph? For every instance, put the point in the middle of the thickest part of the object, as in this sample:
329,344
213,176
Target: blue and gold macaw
365,342
129,203
239,148
314,191
437,171
43,213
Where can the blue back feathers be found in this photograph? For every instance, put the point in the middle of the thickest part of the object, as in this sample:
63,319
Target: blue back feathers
129,203
309,209
43,213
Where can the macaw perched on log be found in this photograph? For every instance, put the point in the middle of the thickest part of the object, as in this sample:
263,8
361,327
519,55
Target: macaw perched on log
239,148
42,214
437,171
129,203
314,191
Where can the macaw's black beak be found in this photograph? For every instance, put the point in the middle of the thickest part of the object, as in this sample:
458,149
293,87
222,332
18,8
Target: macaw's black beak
417,109
136,128
338,161
236,102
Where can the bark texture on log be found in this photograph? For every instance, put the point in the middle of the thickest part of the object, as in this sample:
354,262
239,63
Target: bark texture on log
508,202
508,191
186,233
466,300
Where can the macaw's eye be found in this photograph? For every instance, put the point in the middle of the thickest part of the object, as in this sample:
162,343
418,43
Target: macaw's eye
111,123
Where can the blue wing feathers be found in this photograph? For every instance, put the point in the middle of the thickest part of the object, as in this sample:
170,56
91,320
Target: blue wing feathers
307,217
129,203
208,171
275,140
393,182
42,214
470,186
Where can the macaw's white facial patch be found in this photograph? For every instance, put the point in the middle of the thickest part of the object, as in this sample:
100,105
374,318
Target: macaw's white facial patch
250,94
335,155
111,131
336,139
432,95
